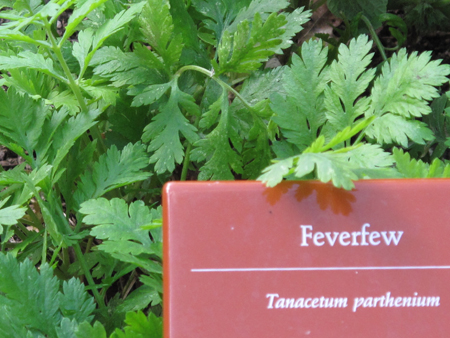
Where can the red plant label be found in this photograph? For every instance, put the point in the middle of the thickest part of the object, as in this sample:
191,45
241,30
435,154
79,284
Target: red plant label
305,259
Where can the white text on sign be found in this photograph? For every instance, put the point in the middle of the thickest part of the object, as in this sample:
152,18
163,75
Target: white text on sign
345,238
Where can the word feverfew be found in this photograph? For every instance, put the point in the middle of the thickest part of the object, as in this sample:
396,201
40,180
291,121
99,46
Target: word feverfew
345,238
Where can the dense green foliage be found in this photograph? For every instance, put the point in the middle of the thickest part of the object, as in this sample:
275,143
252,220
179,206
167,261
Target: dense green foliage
130,95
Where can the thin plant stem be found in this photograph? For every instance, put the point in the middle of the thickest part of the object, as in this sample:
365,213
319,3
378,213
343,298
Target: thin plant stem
89,245
225,86
73,85
219,81
186,161
21,231
87,274
36,222
66,259
75,89
55,254
374,37
360,137
44,248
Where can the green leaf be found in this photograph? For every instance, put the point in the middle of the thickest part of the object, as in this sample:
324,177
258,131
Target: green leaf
122,226
127,121
79,14
85,330
341,167
396,129
6,3
295,20
220,14
30,300
370,156
184,25
164,130
82,47
330,167
64,99
139,299
67,328
18,176
350,8
302,113
31,82
139,326
89,38
149,94
256,155
250,124
245,50
406,84
113,169
216,149
257,89
157,27
401,93
413,168
115,24
115,221
437,122
28,59
21,120
275,173
74,302
10,215
31,6
257,6
128,68
64,135
105,95
349,79
73,166
210,117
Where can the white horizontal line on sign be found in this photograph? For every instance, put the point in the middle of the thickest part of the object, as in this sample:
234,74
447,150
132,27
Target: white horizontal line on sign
430,267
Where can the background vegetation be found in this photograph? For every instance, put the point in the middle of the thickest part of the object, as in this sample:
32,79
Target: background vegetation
104,101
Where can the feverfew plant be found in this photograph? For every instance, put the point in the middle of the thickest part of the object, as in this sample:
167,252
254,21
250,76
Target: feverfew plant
129,95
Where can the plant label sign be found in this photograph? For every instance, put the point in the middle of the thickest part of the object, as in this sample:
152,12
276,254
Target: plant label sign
305,259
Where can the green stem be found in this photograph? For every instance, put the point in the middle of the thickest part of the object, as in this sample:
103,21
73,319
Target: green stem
225,86
55,254
89,245
36,222
360,137
44,248
129,284
75,89
21,231
219,81
66,259
374,36
87,274
236,93
72,84
186,161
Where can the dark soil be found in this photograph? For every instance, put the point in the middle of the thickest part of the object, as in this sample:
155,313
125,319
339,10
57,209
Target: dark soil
8,159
